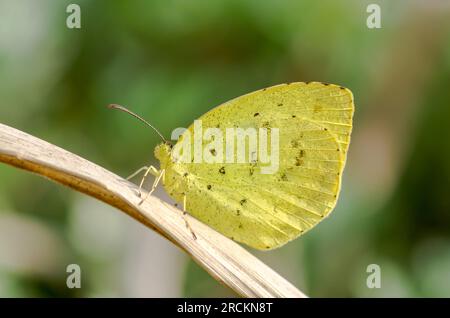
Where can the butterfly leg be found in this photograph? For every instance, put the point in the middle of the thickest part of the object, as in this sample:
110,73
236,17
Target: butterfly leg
155,184
151,170
185,220
134,174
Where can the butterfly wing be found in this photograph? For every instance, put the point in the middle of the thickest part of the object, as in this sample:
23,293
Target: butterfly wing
266,211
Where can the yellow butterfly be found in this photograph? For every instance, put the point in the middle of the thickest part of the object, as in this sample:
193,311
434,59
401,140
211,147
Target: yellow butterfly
308,123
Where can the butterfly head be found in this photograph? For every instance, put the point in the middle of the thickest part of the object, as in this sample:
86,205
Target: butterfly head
163,152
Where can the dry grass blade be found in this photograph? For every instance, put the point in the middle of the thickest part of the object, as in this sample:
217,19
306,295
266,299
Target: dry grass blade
225,260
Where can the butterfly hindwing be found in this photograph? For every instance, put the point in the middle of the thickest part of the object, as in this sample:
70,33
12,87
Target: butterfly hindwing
267,210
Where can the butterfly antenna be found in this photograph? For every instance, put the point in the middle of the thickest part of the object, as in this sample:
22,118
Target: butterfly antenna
115,106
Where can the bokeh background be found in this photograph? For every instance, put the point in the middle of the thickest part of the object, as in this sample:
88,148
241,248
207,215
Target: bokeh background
171,61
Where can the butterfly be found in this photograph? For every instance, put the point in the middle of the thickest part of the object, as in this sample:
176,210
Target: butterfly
309,125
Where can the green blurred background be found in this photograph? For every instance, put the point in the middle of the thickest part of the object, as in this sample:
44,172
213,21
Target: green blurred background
171,61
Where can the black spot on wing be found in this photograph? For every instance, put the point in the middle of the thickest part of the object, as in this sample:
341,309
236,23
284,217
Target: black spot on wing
299,158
